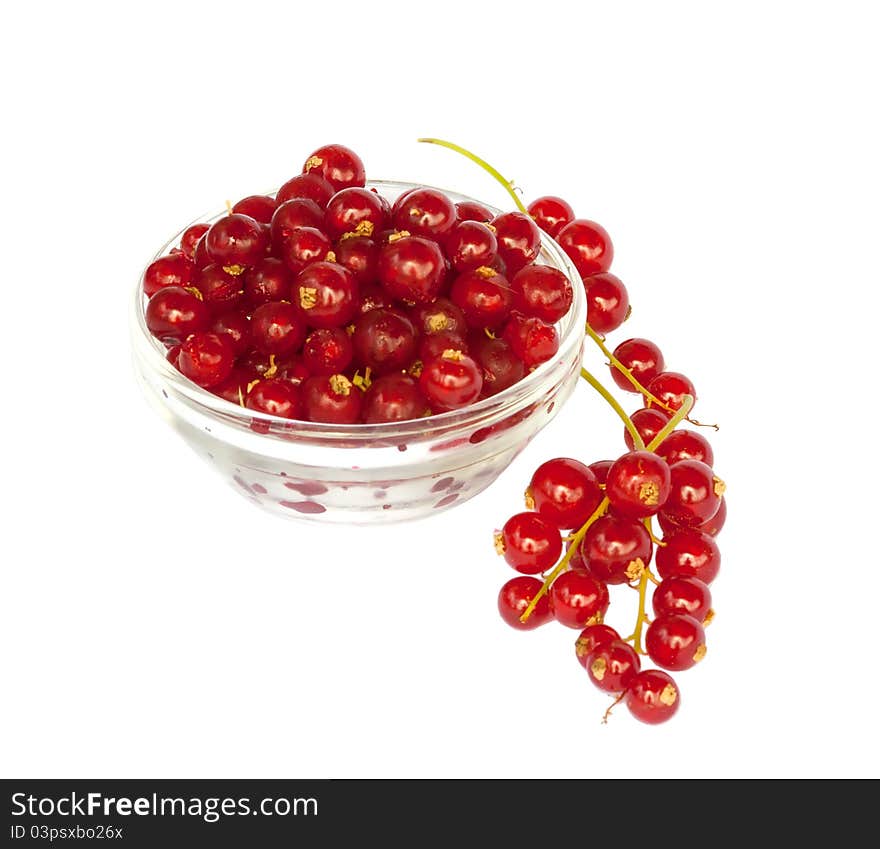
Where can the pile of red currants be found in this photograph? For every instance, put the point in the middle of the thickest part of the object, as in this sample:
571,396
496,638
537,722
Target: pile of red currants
329,302
589,528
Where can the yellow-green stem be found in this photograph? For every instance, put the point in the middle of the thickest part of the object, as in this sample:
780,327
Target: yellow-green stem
641,618
508,184
572,548
615,405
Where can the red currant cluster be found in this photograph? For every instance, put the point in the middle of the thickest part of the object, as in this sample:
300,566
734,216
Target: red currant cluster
328,302
589,528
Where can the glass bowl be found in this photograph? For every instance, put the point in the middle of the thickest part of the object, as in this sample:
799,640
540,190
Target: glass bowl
362,474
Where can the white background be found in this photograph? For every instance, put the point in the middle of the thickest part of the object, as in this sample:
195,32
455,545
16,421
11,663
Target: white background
155,624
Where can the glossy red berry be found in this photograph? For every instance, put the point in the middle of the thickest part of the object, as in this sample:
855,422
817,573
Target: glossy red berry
268,279
438,316
675,641
259,207
551,213
591,638
302,246
638,484
564,491
173,313
434,344
412,268
394,398
292,214
528,543
502,368
607,302
311,187
468,210
169,270
683,444
642,357
275,397
679,594
542,291
236,241
384,340
652,696
648,422
360,255
578,599
206,358
519,239
327,350
337,164
588,245
327,294
469,245
670,387
425,211
695,493
277,327
612,666
688,553
236,326
331,399
534,341
484,297
451,381
616,550
354,210
514,599
220,290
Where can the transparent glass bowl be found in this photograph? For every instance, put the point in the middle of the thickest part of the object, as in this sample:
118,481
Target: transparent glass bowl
362,474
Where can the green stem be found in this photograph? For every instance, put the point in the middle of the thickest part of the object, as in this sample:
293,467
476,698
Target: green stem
615,405
508,184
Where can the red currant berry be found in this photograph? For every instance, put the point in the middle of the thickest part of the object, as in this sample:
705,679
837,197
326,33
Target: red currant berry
412,268
648,422
170,270
292,214
529,543
236,326
220,290
612,666
676,641
425,212
337,164
643,359
206,358
234,388
519,239
275,397
638,484
327,294
331,399
600,469
360,256
236,241
501,367
616,550
578,599
451,381
384,340
302,247
551,213
470,244
670,387
563,491
277,327
311,187
542,291
268,279
690,554
435,344
173,313
354,210
515,597
394,398
591,638
652,697
327,350
607,302
190,238
683,595
439,316
483,296
532,340
694,495
686,445
469,210
588,245
258,207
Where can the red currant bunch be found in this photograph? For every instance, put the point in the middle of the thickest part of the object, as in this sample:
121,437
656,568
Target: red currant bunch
327,301
641,525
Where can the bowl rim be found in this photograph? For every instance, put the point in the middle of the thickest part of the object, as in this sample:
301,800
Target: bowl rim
510,398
